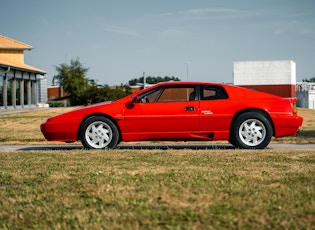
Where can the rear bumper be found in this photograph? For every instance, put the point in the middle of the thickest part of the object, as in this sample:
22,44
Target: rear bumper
287,125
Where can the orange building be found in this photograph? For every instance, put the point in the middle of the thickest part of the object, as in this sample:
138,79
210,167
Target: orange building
21,85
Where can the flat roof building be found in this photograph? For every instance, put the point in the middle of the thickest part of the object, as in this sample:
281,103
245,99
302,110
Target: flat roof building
275,77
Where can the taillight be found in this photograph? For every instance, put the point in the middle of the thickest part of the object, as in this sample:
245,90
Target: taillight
293,101
294,108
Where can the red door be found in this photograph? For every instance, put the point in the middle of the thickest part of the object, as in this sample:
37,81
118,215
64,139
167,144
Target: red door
215,113
166,116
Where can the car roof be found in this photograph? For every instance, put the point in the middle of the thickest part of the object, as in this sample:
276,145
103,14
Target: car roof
188,83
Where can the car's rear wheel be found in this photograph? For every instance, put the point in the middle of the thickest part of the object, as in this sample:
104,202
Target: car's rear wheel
98,133
251,130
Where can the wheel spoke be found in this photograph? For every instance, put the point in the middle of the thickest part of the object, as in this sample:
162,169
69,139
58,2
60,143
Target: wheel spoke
98,134
252,132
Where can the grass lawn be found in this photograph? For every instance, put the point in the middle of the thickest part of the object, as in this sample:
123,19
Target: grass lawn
153,189
156,189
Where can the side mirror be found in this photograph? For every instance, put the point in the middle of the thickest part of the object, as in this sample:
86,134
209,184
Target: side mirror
131,104
135,99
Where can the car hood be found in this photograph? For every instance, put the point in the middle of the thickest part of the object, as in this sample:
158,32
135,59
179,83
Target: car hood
94,106
80,111
98,104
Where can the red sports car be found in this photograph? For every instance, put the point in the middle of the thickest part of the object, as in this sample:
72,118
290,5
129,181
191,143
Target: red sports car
180,111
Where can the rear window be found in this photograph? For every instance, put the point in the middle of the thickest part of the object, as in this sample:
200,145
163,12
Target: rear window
213,93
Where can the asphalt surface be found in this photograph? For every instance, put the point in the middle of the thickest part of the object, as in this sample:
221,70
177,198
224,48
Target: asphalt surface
148,146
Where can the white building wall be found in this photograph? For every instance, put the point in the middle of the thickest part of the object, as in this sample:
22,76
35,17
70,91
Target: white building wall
306,99
42,89
311,99
264,73
302,99
306,95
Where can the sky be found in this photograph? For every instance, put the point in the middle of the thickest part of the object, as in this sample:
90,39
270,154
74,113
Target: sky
194,40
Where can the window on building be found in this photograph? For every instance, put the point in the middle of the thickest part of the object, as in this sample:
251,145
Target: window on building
33,92
10,92
25,92
18,91
1,91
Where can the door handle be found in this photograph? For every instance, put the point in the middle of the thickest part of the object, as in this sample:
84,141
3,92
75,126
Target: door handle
189,108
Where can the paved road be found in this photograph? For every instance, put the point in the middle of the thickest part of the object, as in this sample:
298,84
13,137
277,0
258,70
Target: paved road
148,146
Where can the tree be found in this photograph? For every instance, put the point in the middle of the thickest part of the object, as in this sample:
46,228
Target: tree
83,91
73,80
309,80
96,94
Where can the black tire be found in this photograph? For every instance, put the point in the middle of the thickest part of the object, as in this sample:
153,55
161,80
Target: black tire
251,130
99,133
231,141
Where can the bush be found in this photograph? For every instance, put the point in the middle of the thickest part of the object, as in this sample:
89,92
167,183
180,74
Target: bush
63,103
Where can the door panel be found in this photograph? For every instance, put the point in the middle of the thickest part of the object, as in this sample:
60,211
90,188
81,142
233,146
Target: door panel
214,116
215,112
162,117
164,114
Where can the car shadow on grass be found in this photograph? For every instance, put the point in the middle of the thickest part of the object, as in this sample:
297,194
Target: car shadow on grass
132,147
177,146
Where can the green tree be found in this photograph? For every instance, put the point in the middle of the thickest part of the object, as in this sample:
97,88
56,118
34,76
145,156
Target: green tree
309,80
73,80
83,91
96,94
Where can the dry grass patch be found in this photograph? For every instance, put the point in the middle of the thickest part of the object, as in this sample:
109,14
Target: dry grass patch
24,128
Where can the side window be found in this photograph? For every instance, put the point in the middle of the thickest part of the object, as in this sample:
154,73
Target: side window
168,94
213,93
150,96
179,93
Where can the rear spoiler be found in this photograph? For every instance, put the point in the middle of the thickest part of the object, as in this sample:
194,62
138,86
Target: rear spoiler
293,101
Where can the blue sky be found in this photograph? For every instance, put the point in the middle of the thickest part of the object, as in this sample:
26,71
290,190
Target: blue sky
118,40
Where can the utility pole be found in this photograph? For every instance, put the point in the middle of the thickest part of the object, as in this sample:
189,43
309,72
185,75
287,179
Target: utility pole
144,80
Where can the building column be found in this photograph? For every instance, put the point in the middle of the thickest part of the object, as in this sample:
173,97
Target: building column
36,91
13,90
22,91
5,89
29,93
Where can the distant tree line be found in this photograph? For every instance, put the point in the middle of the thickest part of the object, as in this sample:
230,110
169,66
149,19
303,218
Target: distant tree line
152,80
309,80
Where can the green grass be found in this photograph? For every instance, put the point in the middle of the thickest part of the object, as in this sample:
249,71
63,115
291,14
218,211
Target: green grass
157,189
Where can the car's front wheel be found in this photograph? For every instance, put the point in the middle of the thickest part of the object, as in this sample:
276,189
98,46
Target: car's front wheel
251,130
98,133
